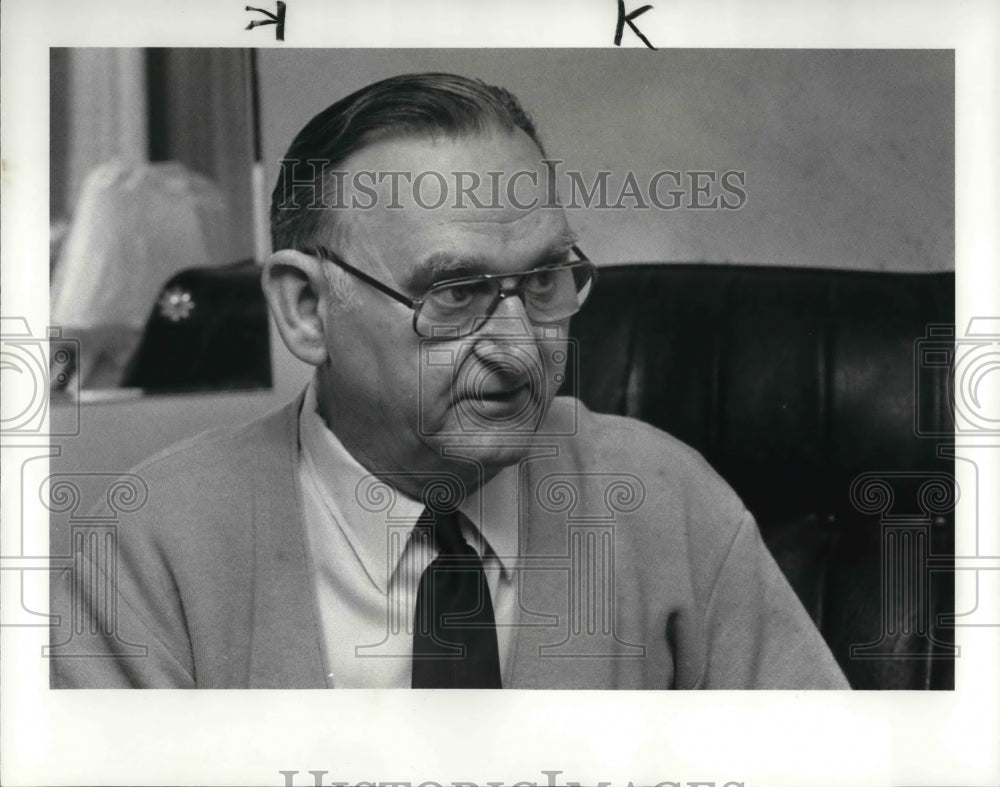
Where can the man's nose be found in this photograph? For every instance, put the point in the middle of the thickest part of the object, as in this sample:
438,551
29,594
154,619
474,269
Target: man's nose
509,319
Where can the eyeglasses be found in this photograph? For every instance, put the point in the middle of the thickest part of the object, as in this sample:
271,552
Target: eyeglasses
458,307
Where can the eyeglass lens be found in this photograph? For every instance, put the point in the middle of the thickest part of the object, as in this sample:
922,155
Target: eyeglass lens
549,295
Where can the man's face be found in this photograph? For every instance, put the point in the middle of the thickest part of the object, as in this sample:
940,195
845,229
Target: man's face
395,399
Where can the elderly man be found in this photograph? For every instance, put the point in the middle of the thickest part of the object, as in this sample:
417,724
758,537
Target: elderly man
428,513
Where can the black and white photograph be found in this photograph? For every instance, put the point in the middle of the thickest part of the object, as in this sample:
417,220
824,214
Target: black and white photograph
475,283
620,368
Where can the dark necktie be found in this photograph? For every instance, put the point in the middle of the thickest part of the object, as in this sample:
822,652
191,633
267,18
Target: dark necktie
454,630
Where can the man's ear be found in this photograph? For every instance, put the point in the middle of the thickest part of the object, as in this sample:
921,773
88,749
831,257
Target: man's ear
295,289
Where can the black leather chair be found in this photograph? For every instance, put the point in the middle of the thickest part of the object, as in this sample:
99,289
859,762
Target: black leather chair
802,387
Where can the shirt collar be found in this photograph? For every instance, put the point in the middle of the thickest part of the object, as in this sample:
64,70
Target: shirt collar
339,479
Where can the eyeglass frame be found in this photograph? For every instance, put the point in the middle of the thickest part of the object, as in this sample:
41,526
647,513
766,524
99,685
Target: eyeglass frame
503,292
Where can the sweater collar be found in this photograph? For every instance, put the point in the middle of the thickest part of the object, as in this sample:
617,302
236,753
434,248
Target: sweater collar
357,501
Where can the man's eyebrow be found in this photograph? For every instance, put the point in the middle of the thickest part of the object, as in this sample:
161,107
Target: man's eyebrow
442,264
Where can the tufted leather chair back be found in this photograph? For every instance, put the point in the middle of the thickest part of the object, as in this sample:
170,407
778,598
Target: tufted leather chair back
801,388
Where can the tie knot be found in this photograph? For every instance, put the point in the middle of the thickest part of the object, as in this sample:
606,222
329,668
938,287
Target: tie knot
447,531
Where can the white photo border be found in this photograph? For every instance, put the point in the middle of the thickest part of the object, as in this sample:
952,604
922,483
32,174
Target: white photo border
754,738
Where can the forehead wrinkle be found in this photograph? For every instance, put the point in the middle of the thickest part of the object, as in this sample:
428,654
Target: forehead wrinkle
480,216
507,217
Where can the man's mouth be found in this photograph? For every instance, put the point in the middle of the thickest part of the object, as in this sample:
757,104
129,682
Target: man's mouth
508,394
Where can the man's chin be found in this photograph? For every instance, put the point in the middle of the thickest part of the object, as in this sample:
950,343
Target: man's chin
493,451
487,443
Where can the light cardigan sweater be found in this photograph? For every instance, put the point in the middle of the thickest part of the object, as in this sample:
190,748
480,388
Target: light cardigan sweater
212,572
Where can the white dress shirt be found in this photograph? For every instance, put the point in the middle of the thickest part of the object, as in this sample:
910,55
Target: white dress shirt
365,559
